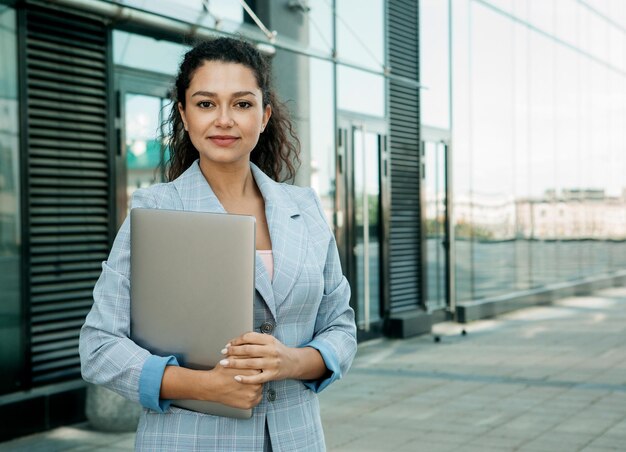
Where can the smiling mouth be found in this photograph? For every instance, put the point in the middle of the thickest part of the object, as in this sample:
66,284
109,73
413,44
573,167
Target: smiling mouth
223,140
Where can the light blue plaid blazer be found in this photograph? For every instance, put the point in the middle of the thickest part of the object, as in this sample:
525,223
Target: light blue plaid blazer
308,301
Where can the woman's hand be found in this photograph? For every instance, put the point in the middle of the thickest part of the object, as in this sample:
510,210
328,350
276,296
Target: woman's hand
215,385
272,358
225,389
259,351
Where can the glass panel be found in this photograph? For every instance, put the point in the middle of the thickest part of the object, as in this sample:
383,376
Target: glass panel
144,151
567,144
491,165
146,53
360,33
434,64
542,160
461,163
435,188
539,126
306,90
322,141
320,22
541,15
226,15
360,92
367,226
616,191
11,356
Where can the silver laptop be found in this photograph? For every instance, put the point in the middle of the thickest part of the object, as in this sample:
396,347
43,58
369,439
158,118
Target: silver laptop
192,288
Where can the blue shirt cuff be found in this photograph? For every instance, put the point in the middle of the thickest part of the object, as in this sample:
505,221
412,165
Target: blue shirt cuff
332,364
150,382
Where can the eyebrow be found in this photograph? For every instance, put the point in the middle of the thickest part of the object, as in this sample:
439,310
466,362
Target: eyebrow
210,94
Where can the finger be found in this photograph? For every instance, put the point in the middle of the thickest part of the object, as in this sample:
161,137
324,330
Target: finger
252,351
251,338
243,363
257,379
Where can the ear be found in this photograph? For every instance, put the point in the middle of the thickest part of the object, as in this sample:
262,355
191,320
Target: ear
181,110
267,113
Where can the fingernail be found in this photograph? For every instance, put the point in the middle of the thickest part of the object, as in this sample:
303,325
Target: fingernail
224,362
238,378
227,345
224,351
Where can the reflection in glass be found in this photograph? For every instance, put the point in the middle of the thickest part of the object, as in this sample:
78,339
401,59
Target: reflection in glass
225,15
435,198
146,53
307,91
367,226
540,193
144,151
360,92
11,355
360,33
320,19
434,64
322,136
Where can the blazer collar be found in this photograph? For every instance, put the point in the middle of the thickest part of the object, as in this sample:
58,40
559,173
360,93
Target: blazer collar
195,192
286,226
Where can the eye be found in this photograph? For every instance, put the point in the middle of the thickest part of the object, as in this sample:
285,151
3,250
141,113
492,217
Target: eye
205,104
243,104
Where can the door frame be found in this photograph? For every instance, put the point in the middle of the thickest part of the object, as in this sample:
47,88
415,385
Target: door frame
131,81
345,209
444,137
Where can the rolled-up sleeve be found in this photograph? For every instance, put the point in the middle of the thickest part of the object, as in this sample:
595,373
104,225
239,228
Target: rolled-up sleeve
150,382
107,354
335,328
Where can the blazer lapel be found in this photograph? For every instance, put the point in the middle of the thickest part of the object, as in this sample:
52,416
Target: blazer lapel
287,233
263,285
195,192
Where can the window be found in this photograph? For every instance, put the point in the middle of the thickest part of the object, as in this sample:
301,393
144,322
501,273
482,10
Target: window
11,352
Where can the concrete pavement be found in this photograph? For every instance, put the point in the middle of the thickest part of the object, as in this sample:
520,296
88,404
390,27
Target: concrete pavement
549,378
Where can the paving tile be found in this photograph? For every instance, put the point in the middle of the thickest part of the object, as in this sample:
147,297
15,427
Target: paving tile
610,441
427,445
382,439
592,427
498,440
619,429
561,441
600,449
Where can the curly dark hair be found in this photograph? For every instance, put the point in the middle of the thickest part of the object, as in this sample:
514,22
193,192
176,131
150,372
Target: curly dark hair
277,152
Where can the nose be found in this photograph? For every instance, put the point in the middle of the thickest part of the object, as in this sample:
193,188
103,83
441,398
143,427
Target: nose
224,118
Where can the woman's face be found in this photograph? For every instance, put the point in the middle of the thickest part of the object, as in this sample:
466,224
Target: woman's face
224,112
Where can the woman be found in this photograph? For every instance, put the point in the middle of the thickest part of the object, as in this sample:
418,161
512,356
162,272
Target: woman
229,145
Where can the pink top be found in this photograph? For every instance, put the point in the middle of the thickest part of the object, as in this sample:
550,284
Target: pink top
268,260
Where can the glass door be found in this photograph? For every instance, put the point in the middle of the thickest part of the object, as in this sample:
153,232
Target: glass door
436,224
367,228
145,152
359,220
143,105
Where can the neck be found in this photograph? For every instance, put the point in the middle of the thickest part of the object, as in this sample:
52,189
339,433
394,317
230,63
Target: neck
230,182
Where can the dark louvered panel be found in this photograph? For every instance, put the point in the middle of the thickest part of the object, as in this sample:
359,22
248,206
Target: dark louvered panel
405,241
68,183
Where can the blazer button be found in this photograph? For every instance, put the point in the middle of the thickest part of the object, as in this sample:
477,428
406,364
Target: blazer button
271,395
267,328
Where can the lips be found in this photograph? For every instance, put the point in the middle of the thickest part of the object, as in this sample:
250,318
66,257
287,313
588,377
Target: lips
223,140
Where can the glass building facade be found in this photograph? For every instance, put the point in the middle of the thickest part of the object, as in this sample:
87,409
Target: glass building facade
532,96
